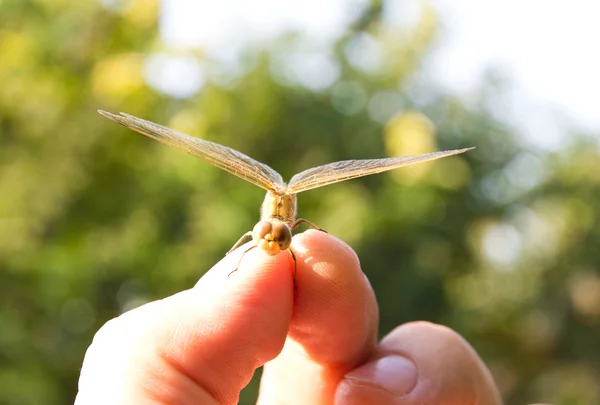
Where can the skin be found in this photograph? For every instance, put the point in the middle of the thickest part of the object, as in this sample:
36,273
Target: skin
319,343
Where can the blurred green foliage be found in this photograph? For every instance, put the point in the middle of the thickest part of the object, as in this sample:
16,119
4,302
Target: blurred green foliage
500,244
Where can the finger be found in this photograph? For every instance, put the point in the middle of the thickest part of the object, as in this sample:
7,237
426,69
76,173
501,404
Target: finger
199,346
334,326
420,363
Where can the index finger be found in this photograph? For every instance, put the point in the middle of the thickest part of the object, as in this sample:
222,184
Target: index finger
333,328
198,346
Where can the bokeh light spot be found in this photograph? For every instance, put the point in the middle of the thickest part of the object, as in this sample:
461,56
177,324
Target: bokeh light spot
179,76
410,133
501,244
118,76
141,13
365,53
348,97
384,105
584,290
452,173
311,68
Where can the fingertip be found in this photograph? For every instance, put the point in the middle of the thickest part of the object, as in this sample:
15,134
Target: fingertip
381,381
318,241
448,367
250,269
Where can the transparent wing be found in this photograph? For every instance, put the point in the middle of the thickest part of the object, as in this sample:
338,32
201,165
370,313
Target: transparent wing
221,156
349,169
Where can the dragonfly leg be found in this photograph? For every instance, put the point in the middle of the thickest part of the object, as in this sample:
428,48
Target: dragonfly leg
241,241
301,220
294,258
240,259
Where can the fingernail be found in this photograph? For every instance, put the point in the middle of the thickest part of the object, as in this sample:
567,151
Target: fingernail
395,374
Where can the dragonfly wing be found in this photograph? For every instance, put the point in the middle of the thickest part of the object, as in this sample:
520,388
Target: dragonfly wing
221,156
349,169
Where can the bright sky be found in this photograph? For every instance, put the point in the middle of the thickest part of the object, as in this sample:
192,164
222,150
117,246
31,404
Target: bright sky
550,48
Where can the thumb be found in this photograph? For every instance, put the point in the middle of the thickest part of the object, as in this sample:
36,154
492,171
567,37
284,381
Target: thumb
420,363
199,346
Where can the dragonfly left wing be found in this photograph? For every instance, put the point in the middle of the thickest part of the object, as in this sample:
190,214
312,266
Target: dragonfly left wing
220,156
349,169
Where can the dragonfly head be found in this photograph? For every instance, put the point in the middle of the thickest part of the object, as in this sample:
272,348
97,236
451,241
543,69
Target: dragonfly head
272,236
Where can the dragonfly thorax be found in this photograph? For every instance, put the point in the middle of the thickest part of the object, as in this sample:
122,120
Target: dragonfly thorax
280,207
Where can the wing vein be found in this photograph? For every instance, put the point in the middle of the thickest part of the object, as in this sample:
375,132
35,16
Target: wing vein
227,159
350,169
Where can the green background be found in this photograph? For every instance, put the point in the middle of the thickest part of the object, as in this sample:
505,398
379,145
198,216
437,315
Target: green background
500,244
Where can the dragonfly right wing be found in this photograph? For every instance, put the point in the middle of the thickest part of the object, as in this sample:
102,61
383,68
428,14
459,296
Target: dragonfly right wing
350,169
220,156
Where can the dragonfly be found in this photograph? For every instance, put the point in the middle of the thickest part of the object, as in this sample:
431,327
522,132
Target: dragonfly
273,233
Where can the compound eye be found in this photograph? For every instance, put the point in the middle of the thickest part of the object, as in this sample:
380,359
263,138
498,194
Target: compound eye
261,229
282,234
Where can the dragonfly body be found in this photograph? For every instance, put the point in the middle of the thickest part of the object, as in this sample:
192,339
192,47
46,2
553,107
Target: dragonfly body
277,215
278,212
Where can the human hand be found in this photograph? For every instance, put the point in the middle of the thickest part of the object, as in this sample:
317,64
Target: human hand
202,346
